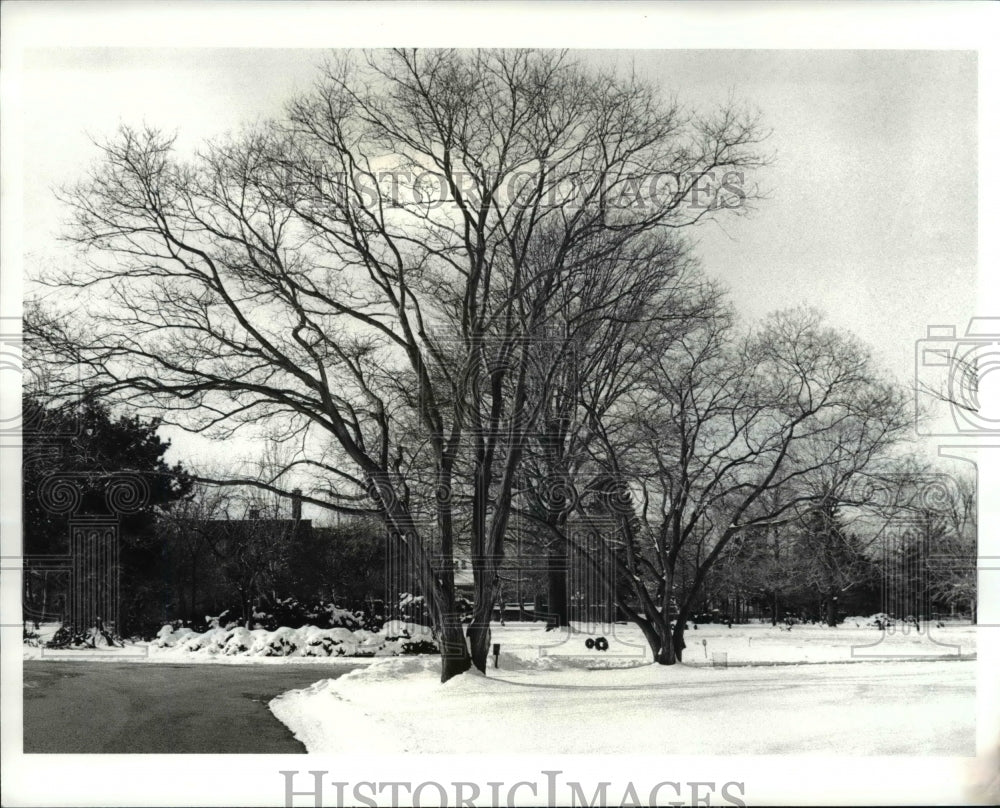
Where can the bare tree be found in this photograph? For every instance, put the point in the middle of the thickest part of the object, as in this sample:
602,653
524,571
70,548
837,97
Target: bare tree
622,300
930,543
189,544
240,533
377,268
723,426
830,559
832,533
954,577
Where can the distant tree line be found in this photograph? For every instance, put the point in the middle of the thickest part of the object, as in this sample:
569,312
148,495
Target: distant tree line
187,552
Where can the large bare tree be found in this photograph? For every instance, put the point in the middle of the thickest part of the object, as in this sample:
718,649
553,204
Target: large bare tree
373,275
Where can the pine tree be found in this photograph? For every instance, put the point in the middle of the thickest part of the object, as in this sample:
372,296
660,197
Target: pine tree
88,447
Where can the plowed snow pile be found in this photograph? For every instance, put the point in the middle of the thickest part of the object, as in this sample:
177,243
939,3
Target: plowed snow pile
393,639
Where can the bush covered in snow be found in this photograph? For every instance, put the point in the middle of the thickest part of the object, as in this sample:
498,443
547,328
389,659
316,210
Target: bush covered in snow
296,614
290,613
394,639
67,636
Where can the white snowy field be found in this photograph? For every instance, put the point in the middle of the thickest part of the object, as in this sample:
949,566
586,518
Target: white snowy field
528,643
784,692
856,639
399,705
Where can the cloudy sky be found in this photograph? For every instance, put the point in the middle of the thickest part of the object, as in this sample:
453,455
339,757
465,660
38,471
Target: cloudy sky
871,205
872,201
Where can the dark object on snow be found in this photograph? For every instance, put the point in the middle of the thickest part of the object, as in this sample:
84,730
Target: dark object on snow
695,626
496,655
68,636
589,643
420,647
601,643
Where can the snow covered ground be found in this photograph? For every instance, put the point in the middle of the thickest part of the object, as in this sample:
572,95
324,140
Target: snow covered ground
523,643
399,705
552,695
749,690
754,643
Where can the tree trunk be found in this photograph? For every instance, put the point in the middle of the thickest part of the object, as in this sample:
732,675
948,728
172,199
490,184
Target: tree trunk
666,642
665,654
831,610
455,658
194,588
45,600
482,612
438,590
678,636
479,641
656,630
558,602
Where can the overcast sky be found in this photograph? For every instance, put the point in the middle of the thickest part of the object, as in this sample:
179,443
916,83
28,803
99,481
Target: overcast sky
872,196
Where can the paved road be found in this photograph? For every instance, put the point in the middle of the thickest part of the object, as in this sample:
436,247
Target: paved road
120,707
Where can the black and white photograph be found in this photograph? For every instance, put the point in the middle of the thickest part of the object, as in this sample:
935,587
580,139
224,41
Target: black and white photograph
499,404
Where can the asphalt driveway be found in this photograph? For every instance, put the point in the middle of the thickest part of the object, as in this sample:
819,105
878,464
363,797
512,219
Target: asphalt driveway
147,708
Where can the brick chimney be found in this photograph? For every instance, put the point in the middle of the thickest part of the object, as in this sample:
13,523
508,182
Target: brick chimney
297,505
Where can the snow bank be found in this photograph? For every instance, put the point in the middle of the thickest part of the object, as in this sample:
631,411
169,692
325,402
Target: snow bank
393,639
